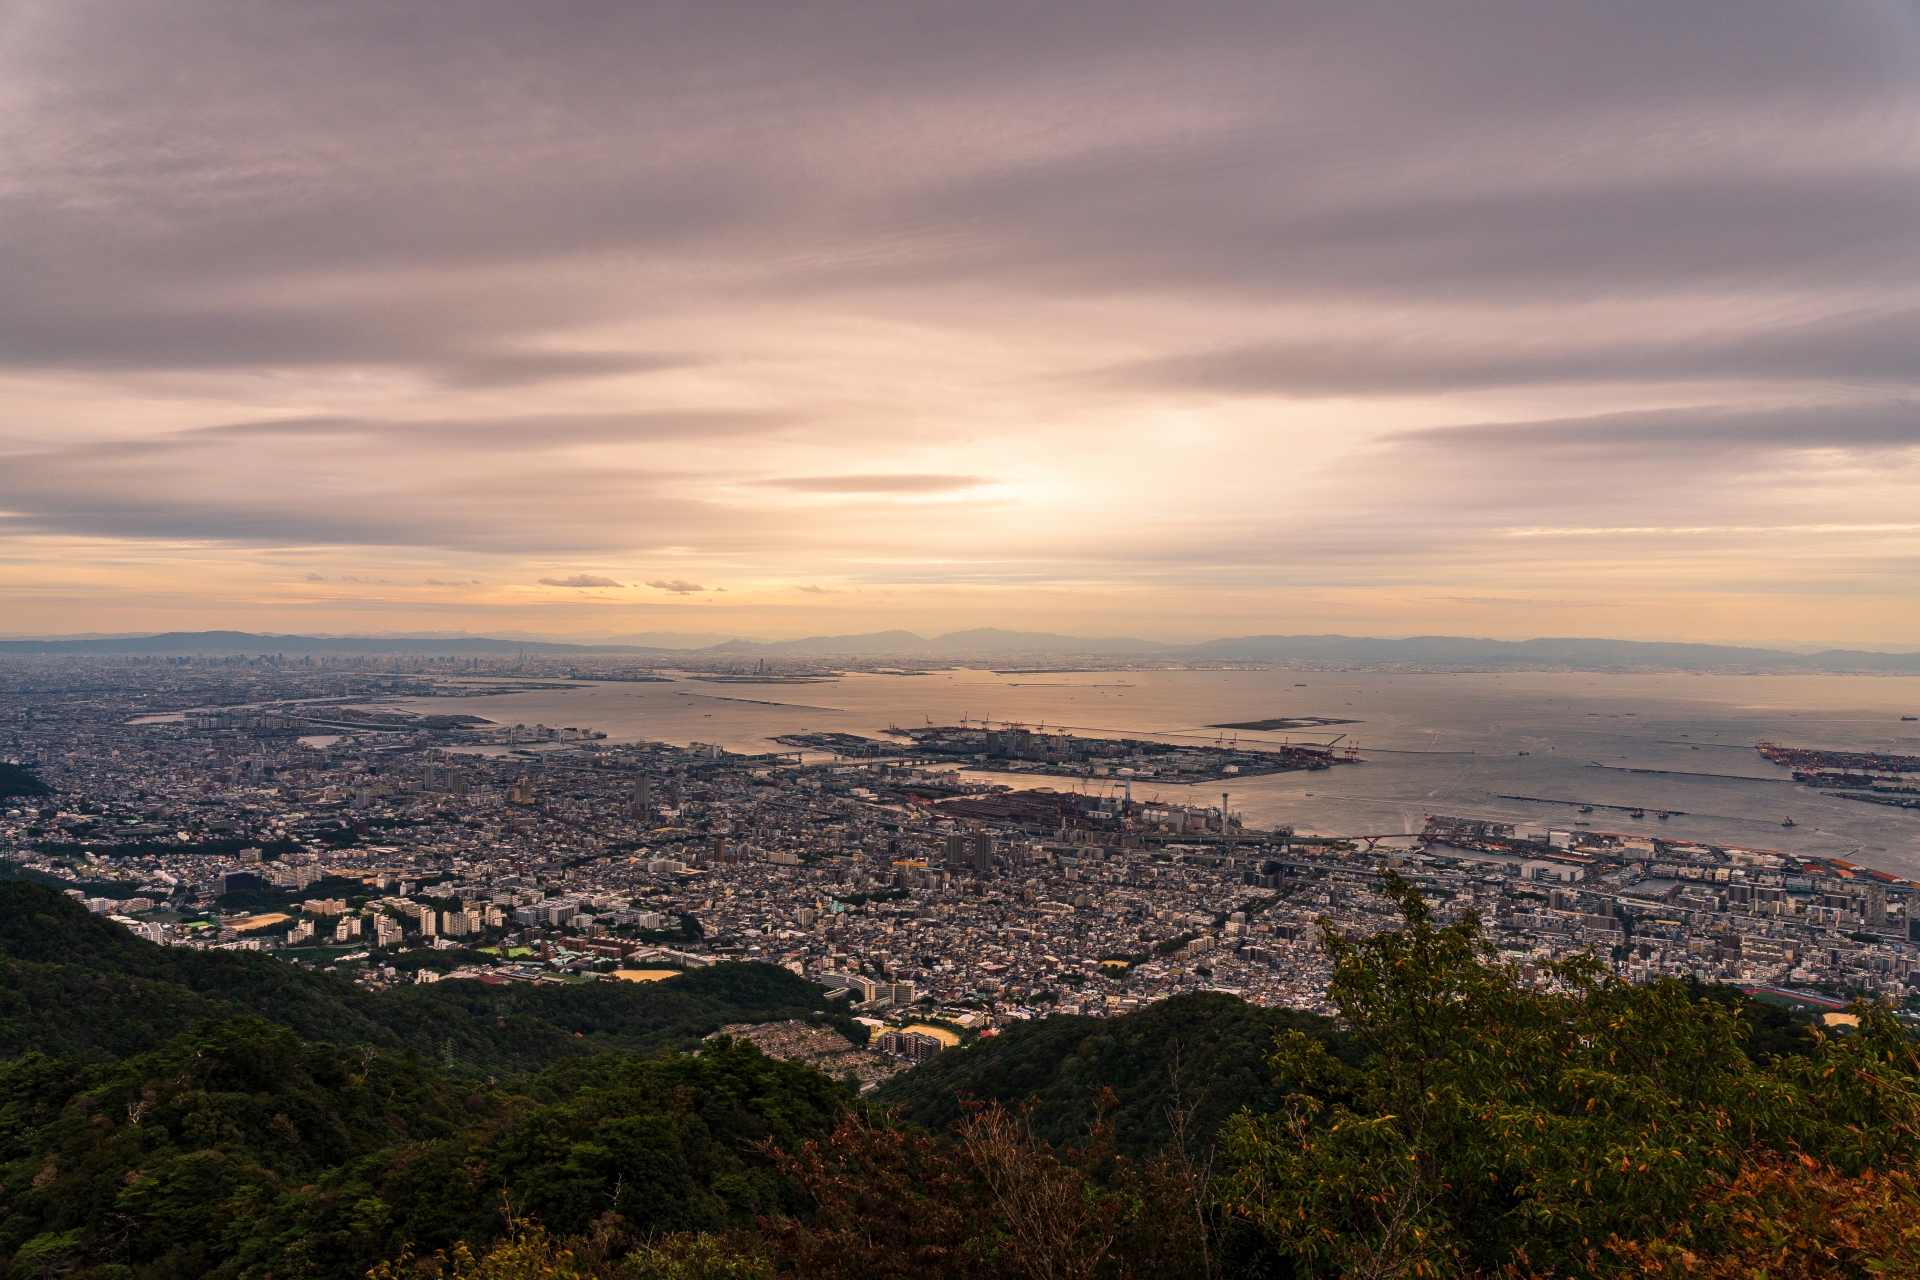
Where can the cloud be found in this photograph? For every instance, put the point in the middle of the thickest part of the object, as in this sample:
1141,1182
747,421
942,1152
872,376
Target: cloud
1735,433
1853,348
875,483
1214,301
517,433
579,580
470,582
314,577
818,591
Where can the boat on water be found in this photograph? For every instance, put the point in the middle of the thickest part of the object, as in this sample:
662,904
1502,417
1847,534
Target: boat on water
1788,821
1586,808
1663,815
1637,813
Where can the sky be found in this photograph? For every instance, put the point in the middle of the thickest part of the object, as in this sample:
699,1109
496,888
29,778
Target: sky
1089,316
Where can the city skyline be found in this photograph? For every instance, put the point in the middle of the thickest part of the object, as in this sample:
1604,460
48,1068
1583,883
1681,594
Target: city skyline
1114,320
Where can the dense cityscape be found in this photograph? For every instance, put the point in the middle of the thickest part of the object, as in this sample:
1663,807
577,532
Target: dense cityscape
287,806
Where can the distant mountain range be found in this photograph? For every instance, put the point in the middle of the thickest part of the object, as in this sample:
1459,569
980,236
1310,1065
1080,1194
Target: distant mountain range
980,640
231,642
1452,652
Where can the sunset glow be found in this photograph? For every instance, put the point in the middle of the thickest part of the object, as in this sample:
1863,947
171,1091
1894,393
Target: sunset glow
1104,319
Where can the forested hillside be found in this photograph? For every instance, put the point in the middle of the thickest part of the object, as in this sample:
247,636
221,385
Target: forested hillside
1205,1054
240,1149
74,984
15,781
1459,1122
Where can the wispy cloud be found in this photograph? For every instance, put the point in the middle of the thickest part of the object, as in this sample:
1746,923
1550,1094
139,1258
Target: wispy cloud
875,483
579,580
996,311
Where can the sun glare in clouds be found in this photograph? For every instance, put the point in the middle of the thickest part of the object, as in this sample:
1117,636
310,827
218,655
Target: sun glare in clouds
1175,321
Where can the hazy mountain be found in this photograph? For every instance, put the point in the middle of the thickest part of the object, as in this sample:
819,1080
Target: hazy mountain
979,640
1456,652
869,642
1580,654
241,642
992,639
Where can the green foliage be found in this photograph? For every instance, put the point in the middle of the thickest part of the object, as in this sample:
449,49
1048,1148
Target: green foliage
1207,1051
1456,1122
1768,1030
995,1201
684,934
16,781
275,898
1492,1122
239,1149
75,984
695,1256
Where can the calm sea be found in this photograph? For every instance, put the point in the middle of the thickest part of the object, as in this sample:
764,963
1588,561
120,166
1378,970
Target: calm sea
1431,743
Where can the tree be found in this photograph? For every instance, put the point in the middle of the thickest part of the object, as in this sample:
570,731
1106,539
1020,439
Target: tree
1495,1122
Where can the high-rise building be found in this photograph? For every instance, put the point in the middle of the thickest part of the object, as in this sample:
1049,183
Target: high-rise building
428,921
642,796
911,1045
240,881
386,930
982,852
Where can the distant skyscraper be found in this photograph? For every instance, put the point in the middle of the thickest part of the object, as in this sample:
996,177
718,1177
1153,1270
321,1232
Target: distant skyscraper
982,852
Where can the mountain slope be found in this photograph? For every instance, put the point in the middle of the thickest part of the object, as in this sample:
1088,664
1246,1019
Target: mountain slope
1576,653
1208,1050
237,1149
77,985
1360,651
248,642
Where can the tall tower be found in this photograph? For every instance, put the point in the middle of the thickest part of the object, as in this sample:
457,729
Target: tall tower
642,796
